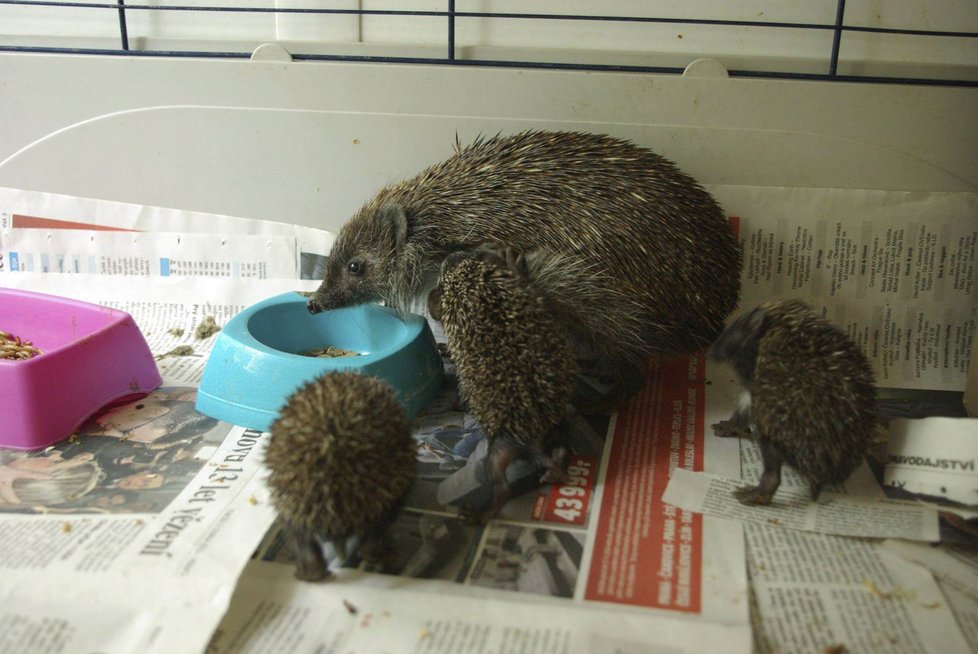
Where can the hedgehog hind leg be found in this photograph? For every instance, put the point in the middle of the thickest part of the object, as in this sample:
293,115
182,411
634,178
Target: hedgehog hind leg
375,543
310,565
814,489
550,453
623,377
340,547
770,479
629,381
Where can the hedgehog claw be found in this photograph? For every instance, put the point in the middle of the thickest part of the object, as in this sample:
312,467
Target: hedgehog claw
314,574
729,429
471,516
444,351
313,305
752,495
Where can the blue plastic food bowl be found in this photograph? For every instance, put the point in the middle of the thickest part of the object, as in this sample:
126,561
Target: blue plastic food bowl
258,359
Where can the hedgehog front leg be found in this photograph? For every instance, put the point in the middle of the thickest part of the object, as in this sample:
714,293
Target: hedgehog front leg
502,452
738,424
375,543
555,466
733,427
310,565
763,493
814,489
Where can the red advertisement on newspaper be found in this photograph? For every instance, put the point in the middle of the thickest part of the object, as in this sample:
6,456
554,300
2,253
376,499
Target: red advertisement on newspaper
21,221
647,553
568,502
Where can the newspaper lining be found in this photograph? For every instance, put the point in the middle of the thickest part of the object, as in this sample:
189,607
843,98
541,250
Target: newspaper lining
643,575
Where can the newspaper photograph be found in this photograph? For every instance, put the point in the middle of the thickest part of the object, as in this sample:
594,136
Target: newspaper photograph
157,523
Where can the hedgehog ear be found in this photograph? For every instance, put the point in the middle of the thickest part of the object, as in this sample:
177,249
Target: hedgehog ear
396,217
744,326
453,258
755,320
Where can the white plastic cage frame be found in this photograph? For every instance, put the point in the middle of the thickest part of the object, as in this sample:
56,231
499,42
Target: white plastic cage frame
924,42
302,116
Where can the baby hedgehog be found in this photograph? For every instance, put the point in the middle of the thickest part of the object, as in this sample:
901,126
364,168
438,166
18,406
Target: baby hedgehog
808,395
648,264
515,368
341,457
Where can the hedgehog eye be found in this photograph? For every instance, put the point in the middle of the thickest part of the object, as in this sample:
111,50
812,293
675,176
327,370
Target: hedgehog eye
356,267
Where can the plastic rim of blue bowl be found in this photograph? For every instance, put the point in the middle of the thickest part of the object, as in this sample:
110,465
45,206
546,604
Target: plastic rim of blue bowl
257,361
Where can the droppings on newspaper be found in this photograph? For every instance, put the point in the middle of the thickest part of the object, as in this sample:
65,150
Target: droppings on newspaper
154,528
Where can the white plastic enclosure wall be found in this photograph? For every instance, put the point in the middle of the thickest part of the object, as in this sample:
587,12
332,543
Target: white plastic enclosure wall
308,142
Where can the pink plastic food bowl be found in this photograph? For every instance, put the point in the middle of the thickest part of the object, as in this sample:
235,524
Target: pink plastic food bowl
90,356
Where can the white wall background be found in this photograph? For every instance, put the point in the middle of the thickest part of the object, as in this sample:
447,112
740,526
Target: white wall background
646,44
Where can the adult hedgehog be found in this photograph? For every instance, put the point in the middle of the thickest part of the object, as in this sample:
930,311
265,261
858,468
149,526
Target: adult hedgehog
646,263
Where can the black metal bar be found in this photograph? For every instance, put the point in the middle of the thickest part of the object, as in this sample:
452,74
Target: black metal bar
835,27
920,81
451,30
188,54
451,14
840,12
123,29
